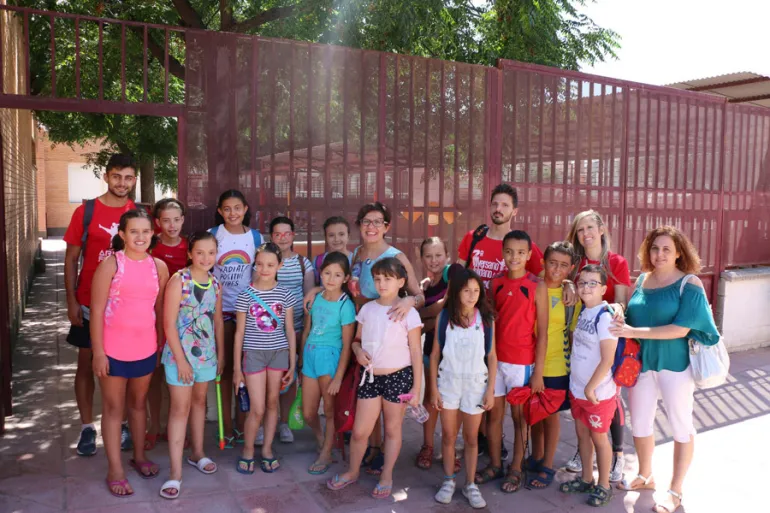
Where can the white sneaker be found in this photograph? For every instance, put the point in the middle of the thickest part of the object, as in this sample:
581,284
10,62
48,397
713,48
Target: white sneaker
616,474
473,494
444,495
575,465
285,434
260,437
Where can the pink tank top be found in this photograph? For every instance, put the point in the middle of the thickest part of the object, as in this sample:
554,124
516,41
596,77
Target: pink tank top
129,318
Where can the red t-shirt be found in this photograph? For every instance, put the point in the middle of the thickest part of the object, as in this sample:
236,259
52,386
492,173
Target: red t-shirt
516,315
101,230
175,257
487,259
619,274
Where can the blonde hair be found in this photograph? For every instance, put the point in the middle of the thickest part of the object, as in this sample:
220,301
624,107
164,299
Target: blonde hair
688,261
580,251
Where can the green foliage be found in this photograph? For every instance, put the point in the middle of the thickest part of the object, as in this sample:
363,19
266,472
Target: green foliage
551,32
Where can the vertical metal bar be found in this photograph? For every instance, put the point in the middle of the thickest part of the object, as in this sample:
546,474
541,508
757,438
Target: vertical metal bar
101,60
567,122
53,57
396,170
611,182
590,154
426,168
362,133
720,208
624,156
655,183
601,180
528,129
273,109
647,155
123,61
165,66
441,168
471,144
181,162
554,108
256,181
409,162
77,58
4,23
381,118
309,174
578,157
27,75
514,124
345,124
676,156
686,152
327,114
668,152
456,186
144,64
292,191
539,193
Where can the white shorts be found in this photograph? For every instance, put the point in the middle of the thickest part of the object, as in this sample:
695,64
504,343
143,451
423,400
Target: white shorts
676,389
510,376
467,395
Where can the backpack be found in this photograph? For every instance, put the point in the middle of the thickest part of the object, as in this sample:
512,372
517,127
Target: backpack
443,323
254,233
479,233
627,364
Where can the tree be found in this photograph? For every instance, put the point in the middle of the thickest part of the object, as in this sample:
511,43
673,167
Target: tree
551,32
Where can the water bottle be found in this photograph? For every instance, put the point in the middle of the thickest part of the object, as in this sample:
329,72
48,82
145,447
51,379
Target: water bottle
243,398
417,413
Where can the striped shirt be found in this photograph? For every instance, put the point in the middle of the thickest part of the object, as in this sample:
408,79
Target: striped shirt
291,277
263,332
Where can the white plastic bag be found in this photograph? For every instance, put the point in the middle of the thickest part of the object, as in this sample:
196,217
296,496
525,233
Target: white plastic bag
710,364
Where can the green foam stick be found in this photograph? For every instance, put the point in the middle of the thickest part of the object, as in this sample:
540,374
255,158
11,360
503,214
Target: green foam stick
219,412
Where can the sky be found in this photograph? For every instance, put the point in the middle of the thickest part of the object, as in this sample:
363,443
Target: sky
668,41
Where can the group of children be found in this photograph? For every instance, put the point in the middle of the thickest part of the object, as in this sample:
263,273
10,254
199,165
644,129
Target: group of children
225,303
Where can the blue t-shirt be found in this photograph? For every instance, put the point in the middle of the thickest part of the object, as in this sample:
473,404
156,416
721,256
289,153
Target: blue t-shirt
327,320
363,271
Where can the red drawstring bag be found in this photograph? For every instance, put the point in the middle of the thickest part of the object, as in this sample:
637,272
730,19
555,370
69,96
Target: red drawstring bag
628,364
345,401
537,407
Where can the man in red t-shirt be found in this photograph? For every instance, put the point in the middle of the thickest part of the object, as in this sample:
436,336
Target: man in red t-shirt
120,176
487,258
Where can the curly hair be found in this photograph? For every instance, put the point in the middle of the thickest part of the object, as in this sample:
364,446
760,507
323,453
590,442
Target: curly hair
688,261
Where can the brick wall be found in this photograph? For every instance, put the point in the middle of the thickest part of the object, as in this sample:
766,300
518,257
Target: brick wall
53,161
18,152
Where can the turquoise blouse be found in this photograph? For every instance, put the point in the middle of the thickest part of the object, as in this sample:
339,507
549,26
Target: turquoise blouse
651,308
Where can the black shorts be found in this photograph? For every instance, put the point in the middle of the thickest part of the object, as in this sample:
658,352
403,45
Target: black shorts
389,386
80,336
559,383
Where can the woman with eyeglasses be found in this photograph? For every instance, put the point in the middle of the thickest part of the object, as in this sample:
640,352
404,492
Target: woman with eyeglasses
297,275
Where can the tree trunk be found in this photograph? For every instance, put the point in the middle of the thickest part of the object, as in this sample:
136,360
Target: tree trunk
147,177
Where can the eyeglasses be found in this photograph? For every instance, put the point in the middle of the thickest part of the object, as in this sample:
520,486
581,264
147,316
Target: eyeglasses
377,223
282,235
588,284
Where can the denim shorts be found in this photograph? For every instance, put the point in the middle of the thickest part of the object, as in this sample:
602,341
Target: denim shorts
135,369
202,375
320,361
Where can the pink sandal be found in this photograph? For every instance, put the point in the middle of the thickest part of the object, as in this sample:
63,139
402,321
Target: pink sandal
140,467
123,483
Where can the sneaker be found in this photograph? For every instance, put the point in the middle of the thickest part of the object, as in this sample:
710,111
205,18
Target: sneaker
285,434
472,493
616,474
444,495
87,442
260,437
126,444
575,465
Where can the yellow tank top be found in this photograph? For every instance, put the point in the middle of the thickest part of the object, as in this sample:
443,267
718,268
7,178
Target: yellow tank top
557,354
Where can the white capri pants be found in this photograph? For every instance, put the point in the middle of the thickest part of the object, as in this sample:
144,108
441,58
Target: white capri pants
676,389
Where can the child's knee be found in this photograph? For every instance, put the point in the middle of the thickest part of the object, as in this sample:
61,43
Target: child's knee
272,403
310,414
359,436
471,442
393,430
448,437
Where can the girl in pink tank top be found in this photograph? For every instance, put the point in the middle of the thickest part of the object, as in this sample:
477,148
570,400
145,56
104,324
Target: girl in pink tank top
126,328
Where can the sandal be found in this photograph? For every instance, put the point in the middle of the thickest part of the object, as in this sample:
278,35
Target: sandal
664,508
375,467
337,483
237,436
381,492
171,484
490,473
600,496
512,478
202,463
269,465
245,466
317,469
425,457
146,465
541,482
111,485
577,485
533,465
647,484
150,441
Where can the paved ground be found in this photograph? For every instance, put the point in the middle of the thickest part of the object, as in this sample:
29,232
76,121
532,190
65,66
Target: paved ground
40,472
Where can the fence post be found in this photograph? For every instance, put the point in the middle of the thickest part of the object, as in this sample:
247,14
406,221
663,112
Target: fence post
624,170
721,209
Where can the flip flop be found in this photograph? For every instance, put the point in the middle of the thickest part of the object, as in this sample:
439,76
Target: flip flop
139,467
123,483
319,468
249,466
202,463
269,465
336,483
150,441
173,484
381,492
